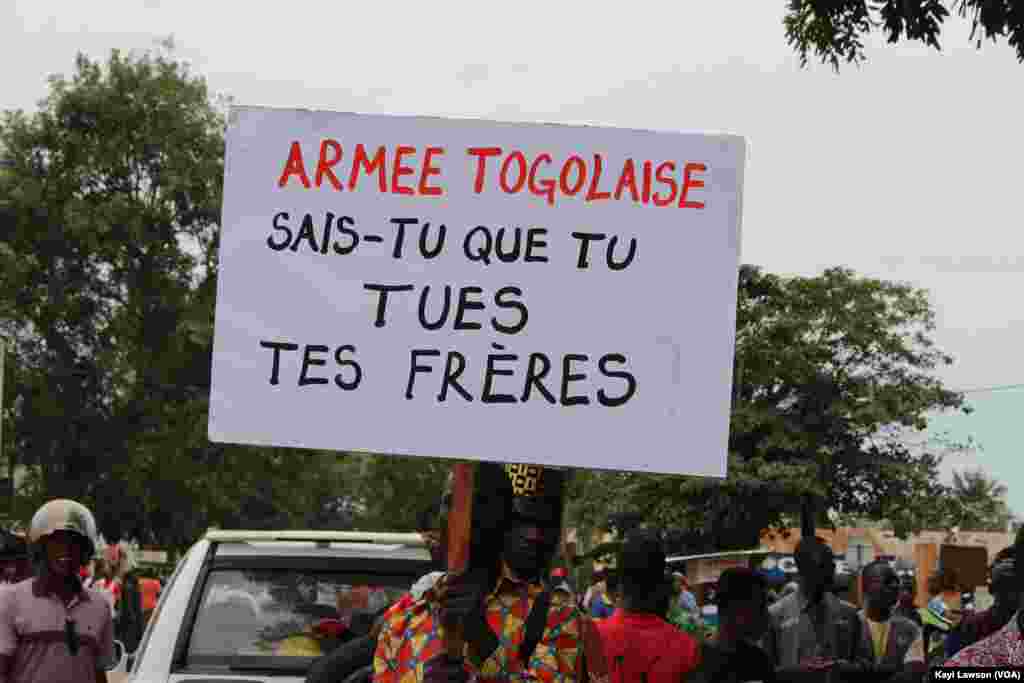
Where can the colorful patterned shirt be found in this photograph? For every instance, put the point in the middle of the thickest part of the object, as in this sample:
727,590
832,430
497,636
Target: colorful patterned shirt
412,635
1003,648
973,628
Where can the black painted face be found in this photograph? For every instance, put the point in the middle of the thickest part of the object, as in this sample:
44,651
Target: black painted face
531,540
529,548
533,526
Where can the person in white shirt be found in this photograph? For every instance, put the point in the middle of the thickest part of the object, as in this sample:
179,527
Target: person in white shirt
897,641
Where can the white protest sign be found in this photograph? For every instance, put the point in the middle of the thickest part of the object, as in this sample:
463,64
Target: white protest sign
468,289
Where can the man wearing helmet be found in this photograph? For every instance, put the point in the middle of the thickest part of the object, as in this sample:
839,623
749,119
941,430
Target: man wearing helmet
52,629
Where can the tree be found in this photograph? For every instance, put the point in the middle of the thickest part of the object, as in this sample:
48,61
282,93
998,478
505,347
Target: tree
111,202
831,373
110,179
395,490
593,499
978,503
621,523
835,30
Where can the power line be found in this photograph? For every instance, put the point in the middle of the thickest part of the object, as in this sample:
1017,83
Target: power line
1002,387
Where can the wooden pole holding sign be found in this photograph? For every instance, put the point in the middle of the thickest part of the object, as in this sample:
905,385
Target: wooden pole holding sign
2,353
460,524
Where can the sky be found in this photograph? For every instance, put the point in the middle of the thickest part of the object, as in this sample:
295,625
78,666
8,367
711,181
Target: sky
903,168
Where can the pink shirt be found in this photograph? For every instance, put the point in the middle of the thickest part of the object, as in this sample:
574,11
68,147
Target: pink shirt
32,635
109,589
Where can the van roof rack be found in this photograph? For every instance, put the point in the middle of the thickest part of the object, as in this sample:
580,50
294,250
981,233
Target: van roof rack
319,537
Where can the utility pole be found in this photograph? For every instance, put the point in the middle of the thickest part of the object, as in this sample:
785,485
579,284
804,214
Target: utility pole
3,350
6,165
10,469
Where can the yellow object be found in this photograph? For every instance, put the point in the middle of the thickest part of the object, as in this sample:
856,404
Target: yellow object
879,637
524,478
301,645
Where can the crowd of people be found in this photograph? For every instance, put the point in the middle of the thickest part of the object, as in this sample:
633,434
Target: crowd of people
600,599
640,622
505,617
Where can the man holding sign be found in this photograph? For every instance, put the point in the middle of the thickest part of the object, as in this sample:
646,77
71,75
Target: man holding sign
451,288
512,626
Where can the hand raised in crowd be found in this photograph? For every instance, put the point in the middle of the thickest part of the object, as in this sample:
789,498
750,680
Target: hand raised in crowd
461,597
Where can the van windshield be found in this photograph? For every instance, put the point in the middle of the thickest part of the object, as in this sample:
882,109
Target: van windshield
261,616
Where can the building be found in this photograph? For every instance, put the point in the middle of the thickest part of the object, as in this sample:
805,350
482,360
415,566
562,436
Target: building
858,546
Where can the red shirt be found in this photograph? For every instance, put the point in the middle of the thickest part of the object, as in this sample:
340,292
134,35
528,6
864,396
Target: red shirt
113,586
150,593
635,643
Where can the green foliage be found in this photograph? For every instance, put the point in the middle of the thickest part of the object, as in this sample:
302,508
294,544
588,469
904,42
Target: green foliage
604,553
834,30
111,204
977,503
395,490
832,373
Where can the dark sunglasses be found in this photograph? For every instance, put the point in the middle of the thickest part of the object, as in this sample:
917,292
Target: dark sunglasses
71,637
